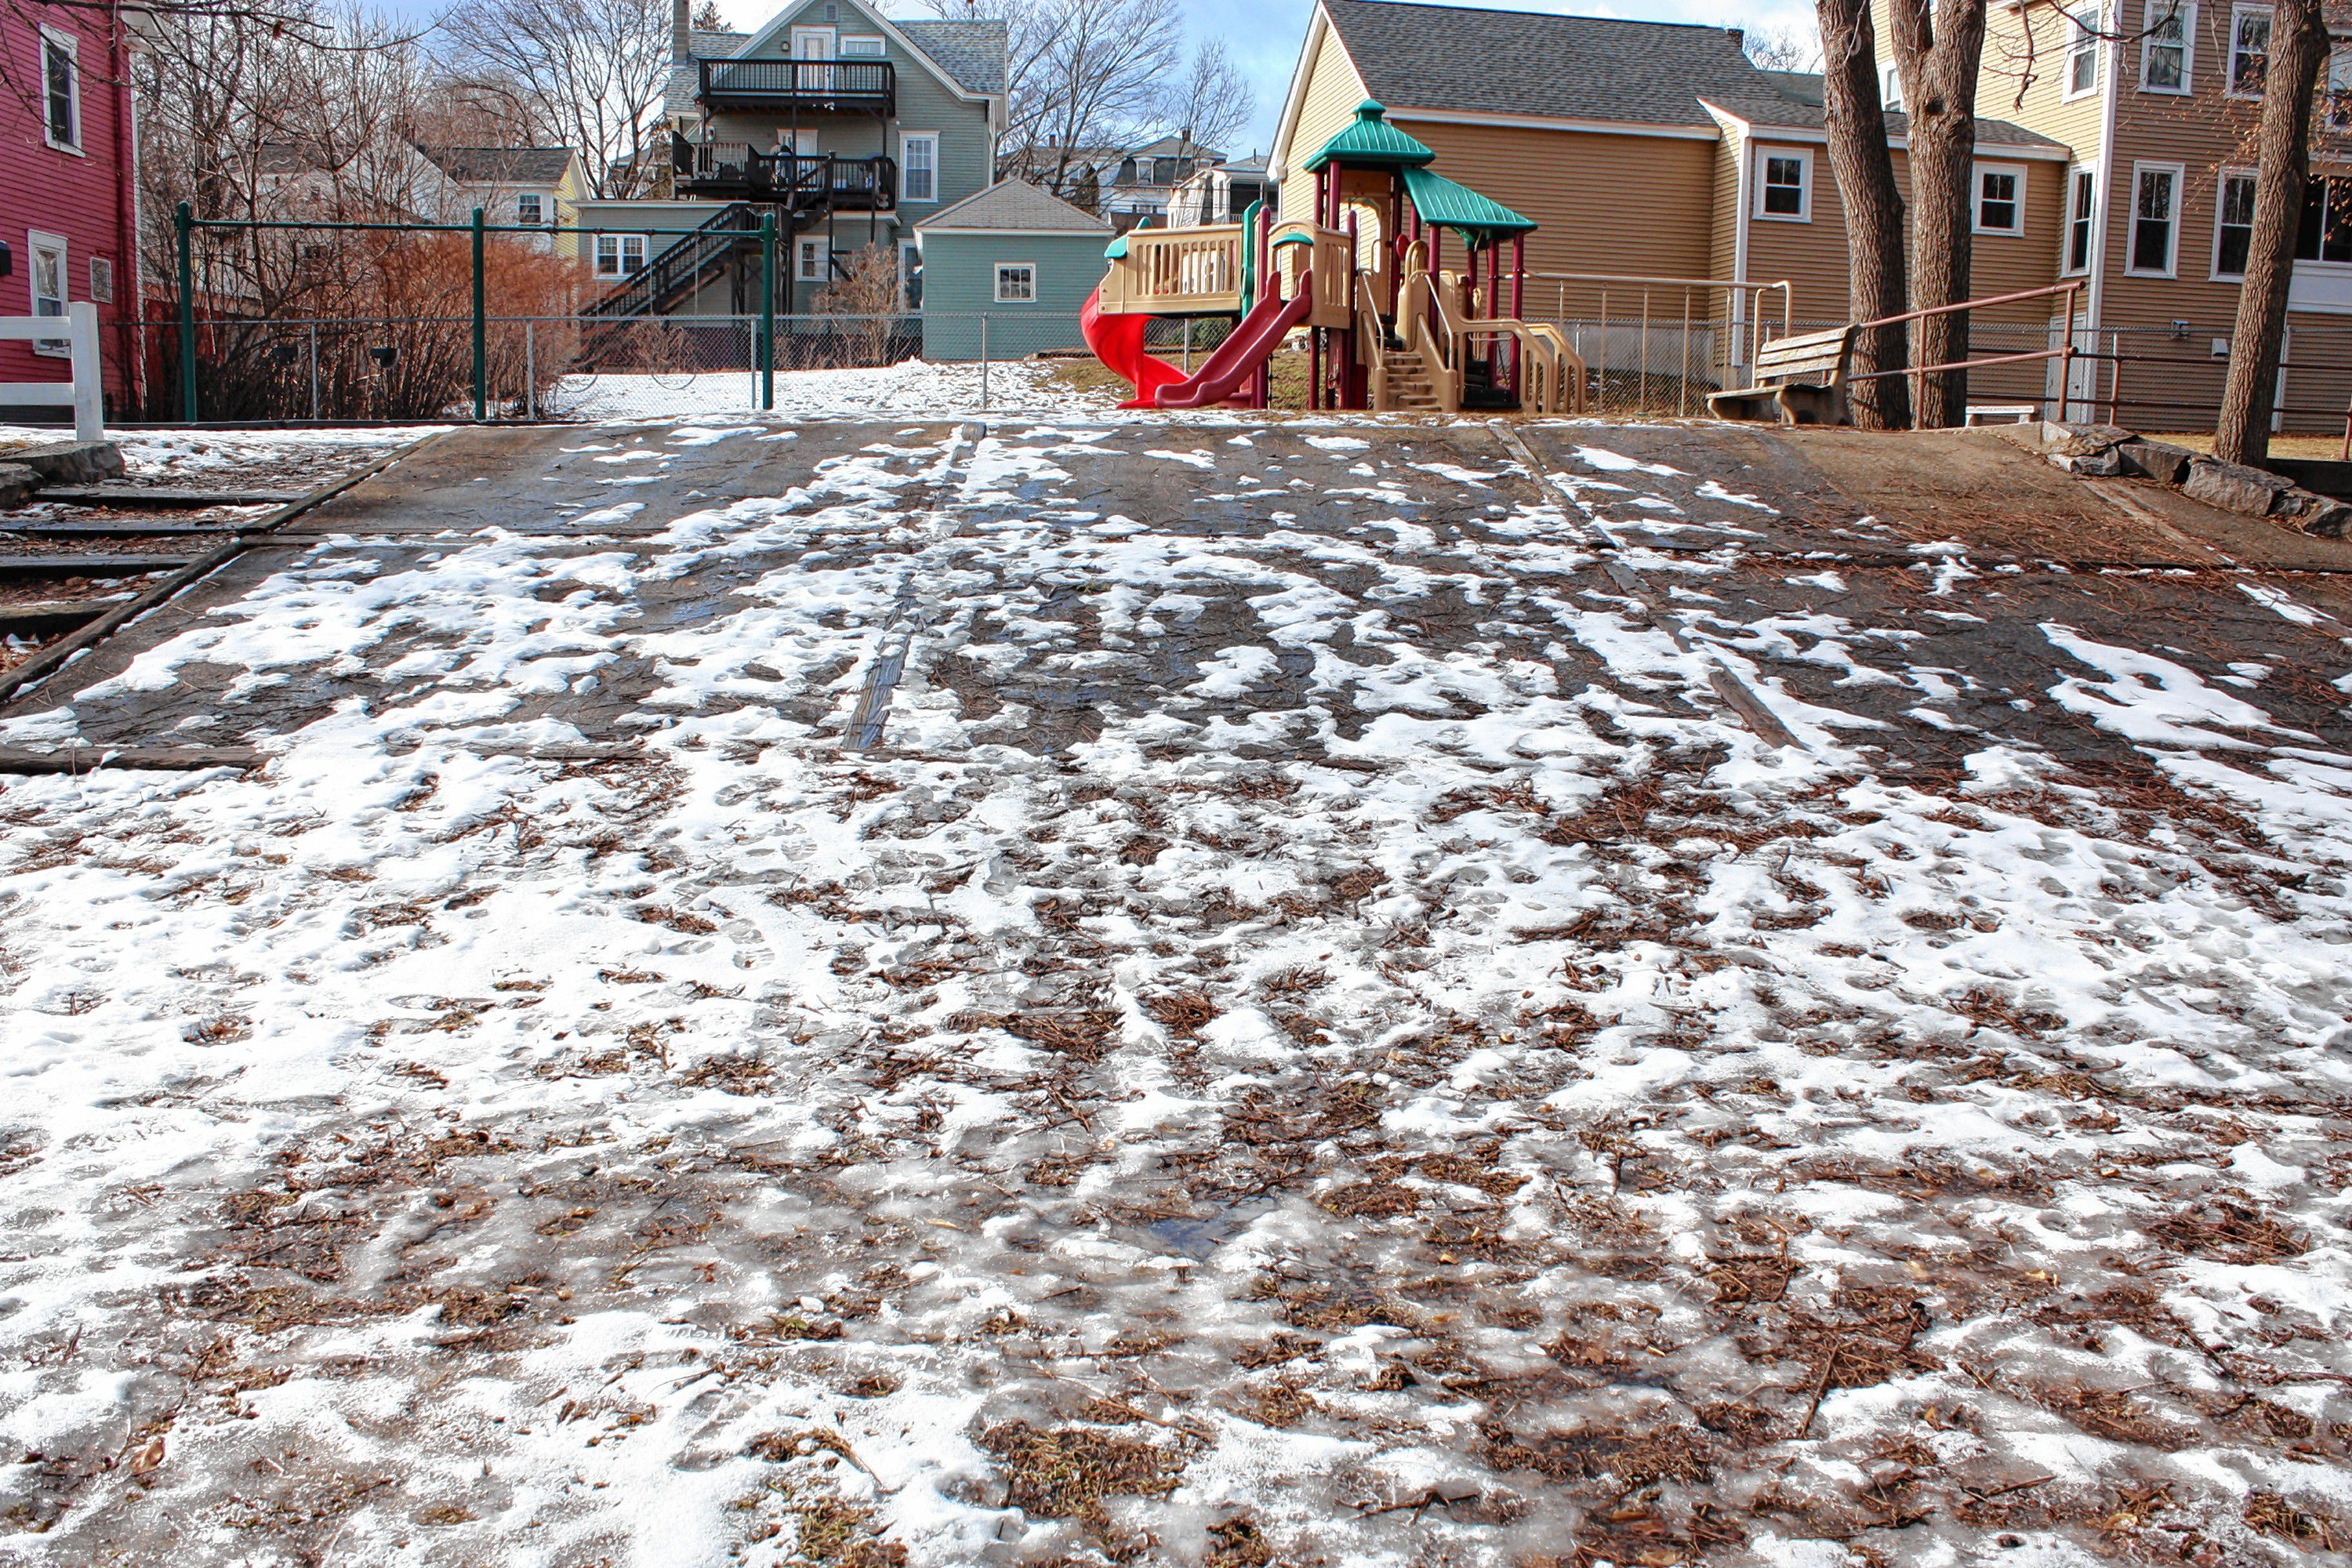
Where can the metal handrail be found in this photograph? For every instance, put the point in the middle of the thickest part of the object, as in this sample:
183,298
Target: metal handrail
662,273
2065,354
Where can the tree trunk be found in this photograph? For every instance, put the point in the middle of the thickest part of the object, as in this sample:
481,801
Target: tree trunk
2299,44
1938,57
1873,208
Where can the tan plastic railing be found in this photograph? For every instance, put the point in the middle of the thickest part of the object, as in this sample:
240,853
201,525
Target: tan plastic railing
1177,269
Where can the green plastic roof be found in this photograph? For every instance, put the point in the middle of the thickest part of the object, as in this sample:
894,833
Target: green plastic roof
1368,139
1442,202
1117,247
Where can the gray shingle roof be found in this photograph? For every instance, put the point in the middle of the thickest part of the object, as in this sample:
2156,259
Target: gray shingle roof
500,165
971,52
1452,57
1016,204
685,81
1569,67
1799,106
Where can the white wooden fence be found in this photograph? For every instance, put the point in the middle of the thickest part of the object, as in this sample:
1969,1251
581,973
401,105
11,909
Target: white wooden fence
83,393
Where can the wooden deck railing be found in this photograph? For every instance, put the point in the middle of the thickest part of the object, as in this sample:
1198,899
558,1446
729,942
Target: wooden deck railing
868,85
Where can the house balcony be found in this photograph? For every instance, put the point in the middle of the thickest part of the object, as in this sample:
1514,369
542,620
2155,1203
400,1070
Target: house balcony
738,171
756,87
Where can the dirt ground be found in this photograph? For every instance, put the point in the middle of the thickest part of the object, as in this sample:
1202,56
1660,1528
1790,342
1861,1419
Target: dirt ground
1221,991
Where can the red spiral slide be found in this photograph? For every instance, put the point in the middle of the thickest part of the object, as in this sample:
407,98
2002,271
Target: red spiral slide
1118,341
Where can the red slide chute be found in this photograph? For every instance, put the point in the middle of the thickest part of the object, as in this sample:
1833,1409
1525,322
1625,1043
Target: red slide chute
1118,341
1244,348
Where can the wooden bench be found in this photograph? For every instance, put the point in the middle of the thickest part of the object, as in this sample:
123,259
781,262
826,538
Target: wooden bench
1777,395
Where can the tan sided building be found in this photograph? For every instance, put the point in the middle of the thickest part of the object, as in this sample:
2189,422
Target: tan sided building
1659,150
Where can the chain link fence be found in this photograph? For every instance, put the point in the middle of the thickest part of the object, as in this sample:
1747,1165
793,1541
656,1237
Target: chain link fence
588,367
2155,378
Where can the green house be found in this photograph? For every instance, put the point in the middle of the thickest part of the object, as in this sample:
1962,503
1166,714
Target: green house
1023,258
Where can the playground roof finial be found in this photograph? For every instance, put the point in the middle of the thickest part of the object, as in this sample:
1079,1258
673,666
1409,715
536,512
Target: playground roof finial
1370,140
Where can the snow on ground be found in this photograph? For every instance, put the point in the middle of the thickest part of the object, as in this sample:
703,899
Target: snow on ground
246,459
912,388
1316,1037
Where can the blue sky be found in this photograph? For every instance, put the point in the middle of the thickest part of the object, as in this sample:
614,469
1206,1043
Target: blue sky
1265,34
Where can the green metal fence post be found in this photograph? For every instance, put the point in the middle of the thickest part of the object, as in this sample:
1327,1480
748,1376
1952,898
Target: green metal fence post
481,343
184,221
766,312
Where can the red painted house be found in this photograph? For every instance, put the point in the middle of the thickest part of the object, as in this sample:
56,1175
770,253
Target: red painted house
69,187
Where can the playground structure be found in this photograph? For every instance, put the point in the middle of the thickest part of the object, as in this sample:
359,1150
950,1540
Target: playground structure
1389,328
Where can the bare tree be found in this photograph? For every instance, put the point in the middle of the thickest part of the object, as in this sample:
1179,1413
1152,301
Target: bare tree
590,75
2299,47
1782,49
866,294
1937,52
1864,167
1083,76
1210,104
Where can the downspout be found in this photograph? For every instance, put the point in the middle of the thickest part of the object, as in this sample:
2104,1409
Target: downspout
1737,314
2105,211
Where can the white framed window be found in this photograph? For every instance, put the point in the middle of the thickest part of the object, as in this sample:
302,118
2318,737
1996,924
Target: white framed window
530,211
2324,232
2082,216
2000,198
46,254
2250,51
2336,103
102,279
2079,77
2233,224
2167,45
1890,88
60,90
816,262
855,48
2155,245
918,166
1784,185
1016,282
910,275
620,255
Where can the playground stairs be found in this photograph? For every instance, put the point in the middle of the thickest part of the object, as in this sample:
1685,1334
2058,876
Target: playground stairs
1411,389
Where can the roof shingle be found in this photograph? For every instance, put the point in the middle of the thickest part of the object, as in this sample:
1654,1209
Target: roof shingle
1417,56
500,165
1016,204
